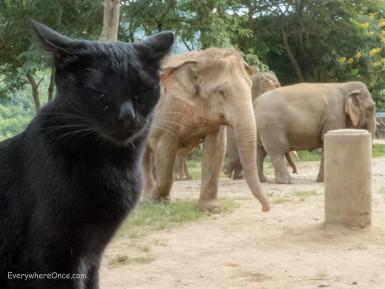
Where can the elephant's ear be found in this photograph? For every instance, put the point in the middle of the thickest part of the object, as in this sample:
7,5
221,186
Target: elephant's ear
352,106
249,69
268,80
178,76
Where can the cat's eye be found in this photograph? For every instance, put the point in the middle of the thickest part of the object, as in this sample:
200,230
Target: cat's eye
96,92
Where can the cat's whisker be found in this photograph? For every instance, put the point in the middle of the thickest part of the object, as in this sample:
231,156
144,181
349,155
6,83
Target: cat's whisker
66,136
63,127
96,140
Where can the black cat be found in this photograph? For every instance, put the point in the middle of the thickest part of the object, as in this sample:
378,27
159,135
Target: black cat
69,180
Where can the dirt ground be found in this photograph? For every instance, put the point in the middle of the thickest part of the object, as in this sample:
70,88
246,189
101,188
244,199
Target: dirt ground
287,248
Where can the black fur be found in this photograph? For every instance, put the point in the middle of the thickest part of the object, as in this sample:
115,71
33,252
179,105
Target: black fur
68,181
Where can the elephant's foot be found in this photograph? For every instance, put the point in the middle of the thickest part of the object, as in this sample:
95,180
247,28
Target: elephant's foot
157,196
160,199
227,173
320,179
262,179
209,205
237,176
285,179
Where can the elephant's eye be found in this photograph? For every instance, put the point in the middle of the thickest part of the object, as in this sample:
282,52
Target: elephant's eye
221,91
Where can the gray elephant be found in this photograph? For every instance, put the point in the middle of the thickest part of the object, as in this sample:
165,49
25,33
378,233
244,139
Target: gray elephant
262,82
296,117
202,91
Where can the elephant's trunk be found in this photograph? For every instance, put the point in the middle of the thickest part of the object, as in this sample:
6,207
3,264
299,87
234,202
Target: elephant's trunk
371,125
246,138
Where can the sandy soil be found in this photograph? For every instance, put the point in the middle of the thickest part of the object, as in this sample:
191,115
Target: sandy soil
287,248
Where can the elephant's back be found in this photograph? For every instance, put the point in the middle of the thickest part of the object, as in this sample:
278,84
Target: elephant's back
303,98
295,112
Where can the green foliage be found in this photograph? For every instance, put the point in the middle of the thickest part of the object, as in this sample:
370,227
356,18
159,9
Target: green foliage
253,60
149,216
198,24
366,61
318,33
299,196
20,58
194,168
308,156
15,114
378,150
323,37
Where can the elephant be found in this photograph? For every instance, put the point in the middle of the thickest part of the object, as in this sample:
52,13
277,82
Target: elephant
296,117
261,82
202,92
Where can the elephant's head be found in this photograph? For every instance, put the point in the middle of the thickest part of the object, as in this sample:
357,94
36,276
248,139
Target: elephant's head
216,82
262,82
360,109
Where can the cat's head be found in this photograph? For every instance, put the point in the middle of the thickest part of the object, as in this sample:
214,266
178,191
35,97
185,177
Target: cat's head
112,86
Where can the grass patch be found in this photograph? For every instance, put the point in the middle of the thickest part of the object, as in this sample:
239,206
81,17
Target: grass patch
195,169
149,216
378,150
305,194
194,166
295,196
124,260
280,199
309,156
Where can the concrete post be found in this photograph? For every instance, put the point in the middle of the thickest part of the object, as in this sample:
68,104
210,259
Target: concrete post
348,182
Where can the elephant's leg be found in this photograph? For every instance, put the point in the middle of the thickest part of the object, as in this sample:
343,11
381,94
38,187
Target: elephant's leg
320,177
282,175
237,175
186,171
178,167
227,170
212,159
164,160
326,128
148,169
290,160
233,167
261,154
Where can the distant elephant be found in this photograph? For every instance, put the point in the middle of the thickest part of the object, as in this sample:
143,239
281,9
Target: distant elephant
296,117
202,91
262,82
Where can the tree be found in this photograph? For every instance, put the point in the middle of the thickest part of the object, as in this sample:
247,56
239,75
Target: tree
110,20
20,62
198,24
301,35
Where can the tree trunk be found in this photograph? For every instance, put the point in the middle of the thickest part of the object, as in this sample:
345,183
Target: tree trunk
291,55
110,20
51,85
35,91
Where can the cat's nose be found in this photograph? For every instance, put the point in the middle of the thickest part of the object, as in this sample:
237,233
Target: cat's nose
126,112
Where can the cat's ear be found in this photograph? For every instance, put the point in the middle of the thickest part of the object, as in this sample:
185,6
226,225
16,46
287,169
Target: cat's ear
55,43
155,47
